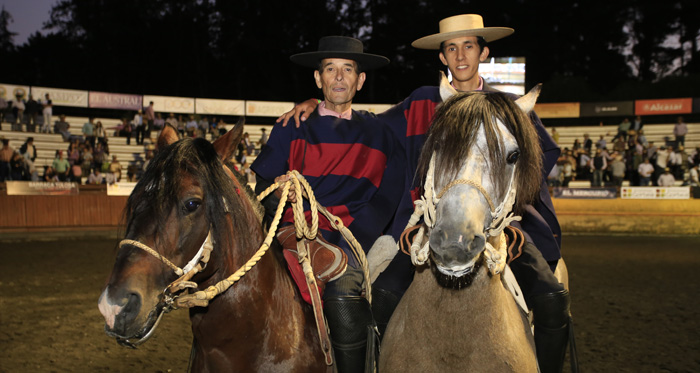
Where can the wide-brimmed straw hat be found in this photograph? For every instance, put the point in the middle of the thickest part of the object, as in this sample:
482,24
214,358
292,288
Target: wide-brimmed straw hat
340,47
459,26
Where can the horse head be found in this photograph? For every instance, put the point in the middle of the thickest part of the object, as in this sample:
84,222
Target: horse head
187,199
481,161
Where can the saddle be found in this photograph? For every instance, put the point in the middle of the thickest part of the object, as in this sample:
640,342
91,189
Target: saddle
328,261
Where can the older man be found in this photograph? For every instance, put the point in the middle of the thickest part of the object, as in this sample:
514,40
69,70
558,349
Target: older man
356,169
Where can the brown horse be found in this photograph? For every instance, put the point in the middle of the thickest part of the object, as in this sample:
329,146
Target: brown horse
481,153
189,192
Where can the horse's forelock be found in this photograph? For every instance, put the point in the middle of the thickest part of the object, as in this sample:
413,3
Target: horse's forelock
453,133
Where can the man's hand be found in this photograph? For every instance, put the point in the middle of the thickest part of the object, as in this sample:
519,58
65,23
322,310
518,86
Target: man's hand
305,108
292,195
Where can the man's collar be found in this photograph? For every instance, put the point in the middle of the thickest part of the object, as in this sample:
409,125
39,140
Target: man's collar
322,111
479,88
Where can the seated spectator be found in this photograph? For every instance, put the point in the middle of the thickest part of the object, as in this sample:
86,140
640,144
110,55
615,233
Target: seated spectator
61,166
98,155
3,108
73,152
601,143
191,127
159,122
96,177
86,160
115,168
203,127
28,150
18,168
126,130
62,127
666,179
49,174
694,176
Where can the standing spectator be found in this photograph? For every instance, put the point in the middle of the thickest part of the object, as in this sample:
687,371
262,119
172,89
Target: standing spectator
150,115
680,130
86,159
576,146
28,150
666,179
646,170
32,110
89,131
138,127
5,158
18,107
241,153
662,157
587,143
598,164
100,133
263,139
47,112
601,143
617,167
18,168
61,166
675,163
181,123
641,137
583,170
3,108
651,151
637,124
63,128
76,173
98,155
249,146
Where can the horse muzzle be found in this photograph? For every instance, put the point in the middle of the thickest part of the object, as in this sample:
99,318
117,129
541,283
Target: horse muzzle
455,251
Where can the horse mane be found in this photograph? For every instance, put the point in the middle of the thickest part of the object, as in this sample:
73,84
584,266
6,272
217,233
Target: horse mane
452,135
157,192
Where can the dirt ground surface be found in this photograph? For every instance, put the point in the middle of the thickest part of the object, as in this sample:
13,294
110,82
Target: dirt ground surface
635,302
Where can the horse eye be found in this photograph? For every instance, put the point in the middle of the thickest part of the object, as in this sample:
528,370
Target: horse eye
513,157
192,205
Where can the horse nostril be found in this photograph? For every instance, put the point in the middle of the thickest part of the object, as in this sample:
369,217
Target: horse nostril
478,243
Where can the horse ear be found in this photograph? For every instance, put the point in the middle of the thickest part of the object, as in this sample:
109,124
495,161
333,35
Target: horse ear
446,89
527,102
226,145
167,136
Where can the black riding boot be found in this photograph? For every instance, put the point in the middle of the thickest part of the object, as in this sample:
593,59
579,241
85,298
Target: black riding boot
384,303
350,322
551,319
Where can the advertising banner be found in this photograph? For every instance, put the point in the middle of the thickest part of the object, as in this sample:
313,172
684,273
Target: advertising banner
267,108
558,110
372,108
655,192
665,106
46,188
170,104
120,188
10,91
606,109
219,107
106,100
62,97
585,193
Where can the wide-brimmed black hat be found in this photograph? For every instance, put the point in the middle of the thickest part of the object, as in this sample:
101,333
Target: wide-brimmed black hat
340,47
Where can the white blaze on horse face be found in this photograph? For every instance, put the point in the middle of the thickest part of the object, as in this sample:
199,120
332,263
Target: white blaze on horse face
107,309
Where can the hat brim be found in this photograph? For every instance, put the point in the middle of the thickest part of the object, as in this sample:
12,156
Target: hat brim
488,33
367,61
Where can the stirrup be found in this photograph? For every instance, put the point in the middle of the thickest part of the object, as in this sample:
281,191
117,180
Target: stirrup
328,261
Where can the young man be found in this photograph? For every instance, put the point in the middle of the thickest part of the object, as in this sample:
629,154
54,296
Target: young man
462,42
356,169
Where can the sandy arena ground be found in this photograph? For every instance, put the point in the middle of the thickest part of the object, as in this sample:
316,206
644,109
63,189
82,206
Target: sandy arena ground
635,303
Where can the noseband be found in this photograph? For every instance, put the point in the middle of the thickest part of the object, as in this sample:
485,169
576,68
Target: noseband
501,216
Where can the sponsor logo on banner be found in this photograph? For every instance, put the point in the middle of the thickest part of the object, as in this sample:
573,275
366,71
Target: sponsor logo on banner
115,101
267,108
372,108
585,193
655,192
121,188
559,110
666,106
602,109
62,97
46,188
220,107
170,104
10,91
